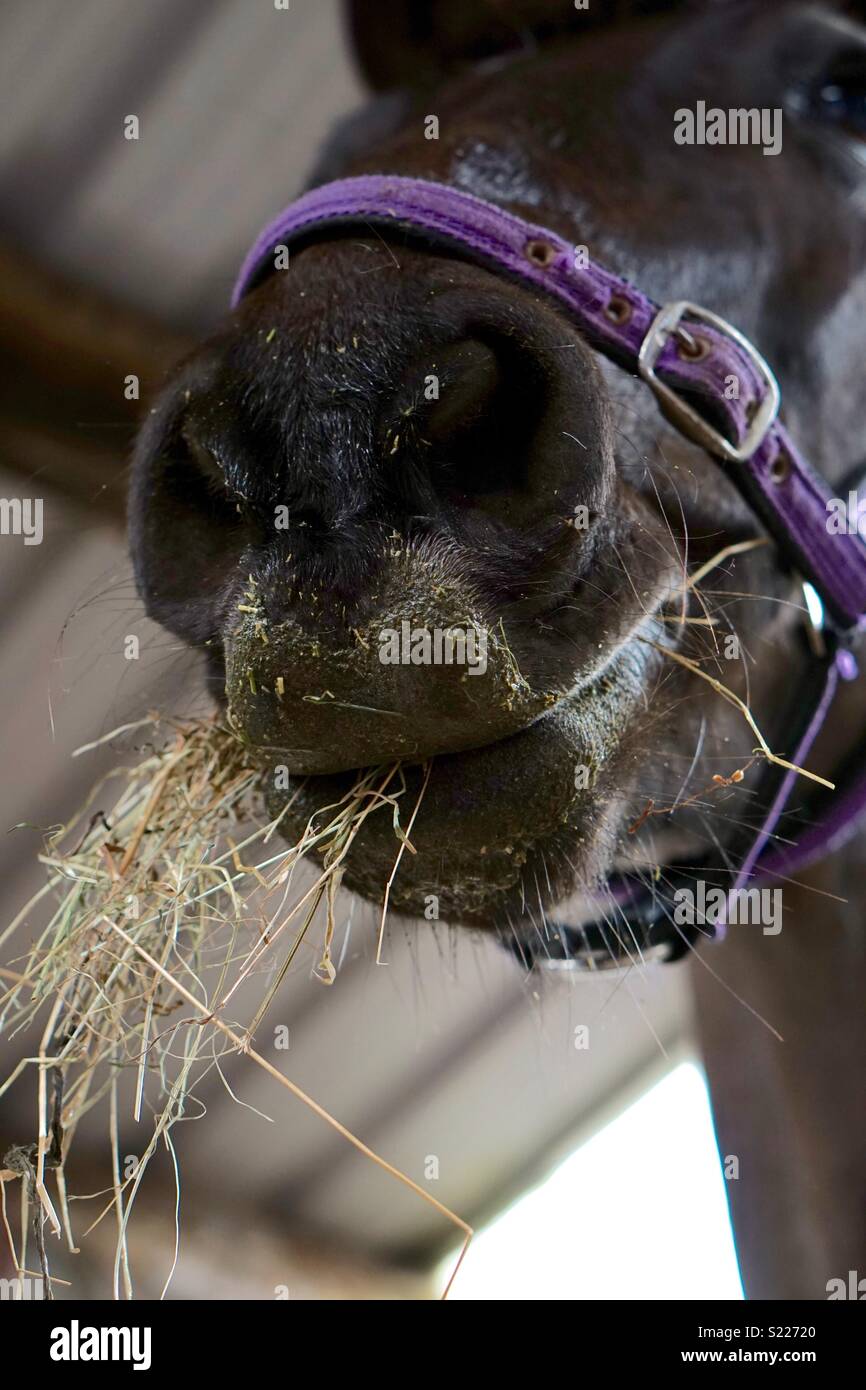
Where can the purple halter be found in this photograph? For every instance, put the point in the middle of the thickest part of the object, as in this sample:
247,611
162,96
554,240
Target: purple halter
714,386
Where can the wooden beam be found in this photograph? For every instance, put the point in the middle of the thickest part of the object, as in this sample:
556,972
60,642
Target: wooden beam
65,352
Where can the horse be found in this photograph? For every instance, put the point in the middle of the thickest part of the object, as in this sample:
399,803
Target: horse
395,437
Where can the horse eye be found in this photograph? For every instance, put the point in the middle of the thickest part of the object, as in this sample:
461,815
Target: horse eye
837,96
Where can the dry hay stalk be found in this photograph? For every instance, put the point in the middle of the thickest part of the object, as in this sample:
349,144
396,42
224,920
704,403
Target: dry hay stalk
149,917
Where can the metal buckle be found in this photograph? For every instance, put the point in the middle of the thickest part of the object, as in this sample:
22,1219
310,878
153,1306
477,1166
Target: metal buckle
589,963
815,619
669,320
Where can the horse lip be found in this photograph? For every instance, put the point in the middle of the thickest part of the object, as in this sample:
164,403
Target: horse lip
580,693
289,754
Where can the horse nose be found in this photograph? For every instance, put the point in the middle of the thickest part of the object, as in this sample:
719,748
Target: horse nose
425,671
397,628
506,424
444,453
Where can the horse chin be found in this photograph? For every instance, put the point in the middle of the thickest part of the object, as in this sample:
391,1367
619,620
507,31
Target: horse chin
481,831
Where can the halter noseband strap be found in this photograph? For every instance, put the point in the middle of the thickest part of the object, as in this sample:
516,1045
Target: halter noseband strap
716,389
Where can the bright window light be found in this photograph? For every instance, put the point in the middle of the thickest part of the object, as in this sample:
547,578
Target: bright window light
638,1211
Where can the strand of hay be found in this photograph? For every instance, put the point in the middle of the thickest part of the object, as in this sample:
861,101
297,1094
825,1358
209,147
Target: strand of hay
150,933
734,699
727,551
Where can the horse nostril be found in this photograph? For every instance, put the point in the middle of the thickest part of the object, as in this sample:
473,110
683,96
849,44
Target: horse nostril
468,378
513,434
196,477
474,435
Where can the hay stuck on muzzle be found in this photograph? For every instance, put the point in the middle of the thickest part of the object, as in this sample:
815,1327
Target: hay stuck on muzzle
159,909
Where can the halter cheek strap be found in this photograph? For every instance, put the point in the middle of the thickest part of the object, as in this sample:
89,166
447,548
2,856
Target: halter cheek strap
715,388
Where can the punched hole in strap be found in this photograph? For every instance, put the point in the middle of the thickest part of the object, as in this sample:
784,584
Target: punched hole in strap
780,468
618,310
691,347
541,253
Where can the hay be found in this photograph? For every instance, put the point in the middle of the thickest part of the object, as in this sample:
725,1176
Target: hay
150,934
763,749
